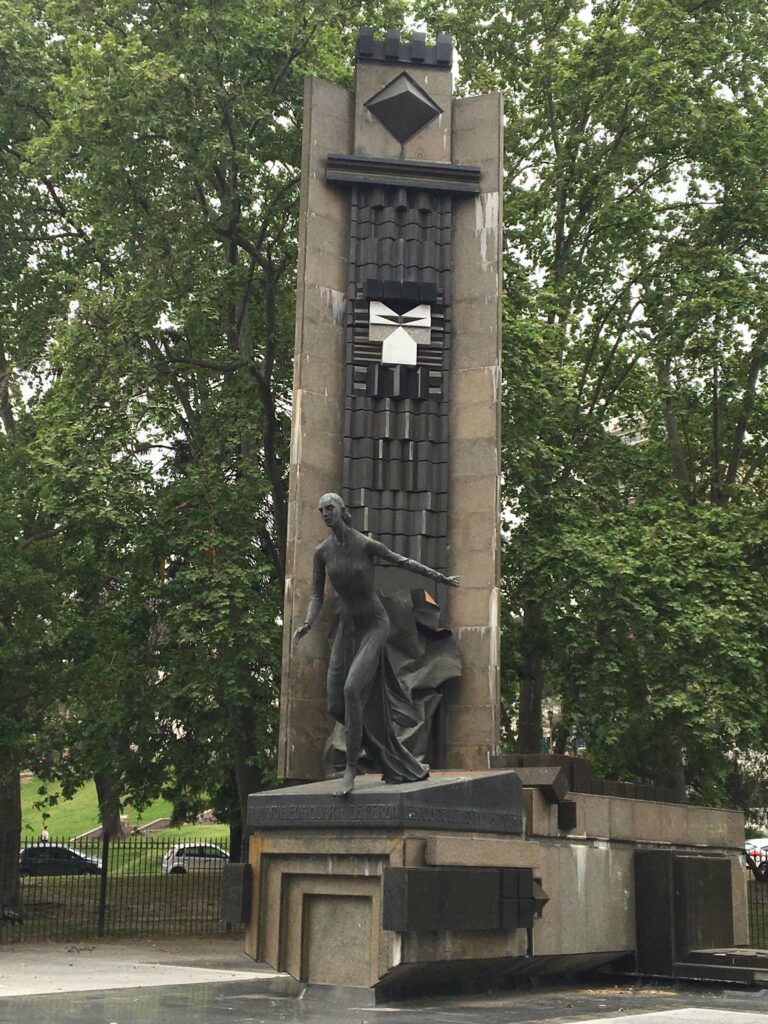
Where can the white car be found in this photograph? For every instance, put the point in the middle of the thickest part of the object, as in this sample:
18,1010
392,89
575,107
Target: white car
188,858
757,857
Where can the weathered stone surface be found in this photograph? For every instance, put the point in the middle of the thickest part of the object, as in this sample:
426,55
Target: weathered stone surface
589,917
433,142
337,122
317,411
334,956
424,899
703,903
236,888
482,802
473,530
478,457
474,604
469,724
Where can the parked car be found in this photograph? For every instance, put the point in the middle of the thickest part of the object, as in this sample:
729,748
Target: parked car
193,857
56,859
757,857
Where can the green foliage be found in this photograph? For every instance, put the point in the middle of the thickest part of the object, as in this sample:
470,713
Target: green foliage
67,817
150,184
149,163
635,305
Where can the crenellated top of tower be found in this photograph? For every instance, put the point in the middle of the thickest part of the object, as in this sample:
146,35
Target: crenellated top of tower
394,50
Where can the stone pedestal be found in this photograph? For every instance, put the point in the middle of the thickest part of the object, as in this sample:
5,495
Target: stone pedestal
403,889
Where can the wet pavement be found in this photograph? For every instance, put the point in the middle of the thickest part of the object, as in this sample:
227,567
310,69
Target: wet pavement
212,981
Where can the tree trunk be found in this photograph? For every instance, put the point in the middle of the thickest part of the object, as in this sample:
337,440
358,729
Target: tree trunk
248,778
529,730
10,832
108,793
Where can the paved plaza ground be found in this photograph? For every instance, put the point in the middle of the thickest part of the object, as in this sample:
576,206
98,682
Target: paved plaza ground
210,981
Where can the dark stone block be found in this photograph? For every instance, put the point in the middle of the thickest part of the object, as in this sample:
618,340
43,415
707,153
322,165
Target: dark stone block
566,816
365,43
525,884
444,50
516,883
353,169
552,782
441,899
612,788
526,911
410,899
510,914
581,774
411,290
392,44
402,106
474,802
543,760
668,795
235,901
644,792
508,883
394,49
655,912
418,47
539,897
505,761
470,898
373,288
703,903
383,380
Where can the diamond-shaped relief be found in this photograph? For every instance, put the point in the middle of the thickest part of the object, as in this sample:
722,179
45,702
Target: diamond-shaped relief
403,107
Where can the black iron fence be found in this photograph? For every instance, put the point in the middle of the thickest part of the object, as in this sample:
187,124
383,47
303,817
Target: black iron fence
757,901
139,886
144,886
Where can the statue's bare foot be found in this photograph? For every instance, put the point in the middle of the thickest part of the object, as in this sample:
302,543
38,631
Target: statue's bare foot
348,782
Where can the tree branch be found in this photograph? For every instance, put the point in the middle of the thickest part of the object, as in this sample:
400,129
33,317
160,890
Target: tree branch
679,466
756,363
6,409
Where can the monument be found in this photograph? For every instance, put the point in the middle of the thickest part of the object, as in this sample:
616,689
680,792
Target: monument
397,369
465,867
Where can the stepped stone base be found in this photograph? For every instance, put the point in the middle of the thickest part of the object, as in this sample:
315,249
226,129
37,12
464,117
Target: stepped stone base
404,908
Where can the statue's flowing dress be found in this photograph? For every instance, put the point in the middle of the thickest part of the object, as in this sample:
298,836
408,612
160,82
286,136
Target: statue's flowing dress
369,677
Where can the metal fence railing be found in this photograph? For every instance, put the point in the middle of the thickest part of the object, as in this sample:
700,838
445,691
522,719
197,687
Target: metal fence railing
757,902
145,886
138,886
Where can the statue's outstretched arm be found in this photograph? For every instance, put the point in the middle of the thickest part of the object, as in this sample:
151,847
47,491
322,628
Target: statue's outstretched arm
379,550
316,601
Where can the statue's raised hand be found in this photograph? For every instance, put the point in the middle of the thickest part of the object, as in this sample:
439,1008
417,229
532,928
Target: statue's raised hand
452,581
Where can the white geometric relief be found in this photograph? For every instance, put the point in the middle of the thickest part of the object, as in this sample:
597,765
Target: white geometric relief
400,333
399,347
417,316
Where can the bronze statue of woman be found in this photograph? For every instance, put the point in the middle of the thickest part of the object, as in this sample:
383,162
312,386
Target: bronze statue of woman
347,556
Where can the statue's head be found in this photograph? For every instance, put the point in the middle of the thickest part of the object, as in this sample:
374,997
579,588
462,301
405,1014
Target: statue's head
333,510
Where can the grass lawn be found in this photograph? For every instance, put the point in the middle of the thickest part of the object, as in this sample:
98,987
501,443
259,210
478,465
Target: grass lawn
80,814
187,833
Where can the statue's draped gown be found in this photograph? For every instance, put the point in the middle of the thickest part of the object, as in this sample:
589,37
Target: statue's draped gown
364,692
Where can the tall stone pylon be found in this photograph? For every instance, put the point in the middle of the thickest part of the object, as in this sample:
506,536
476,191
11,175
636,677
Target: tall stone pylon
397,379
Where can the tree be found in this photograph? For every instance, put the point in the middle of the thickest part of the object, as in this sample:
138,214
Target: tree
634,305
168,154
36,274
